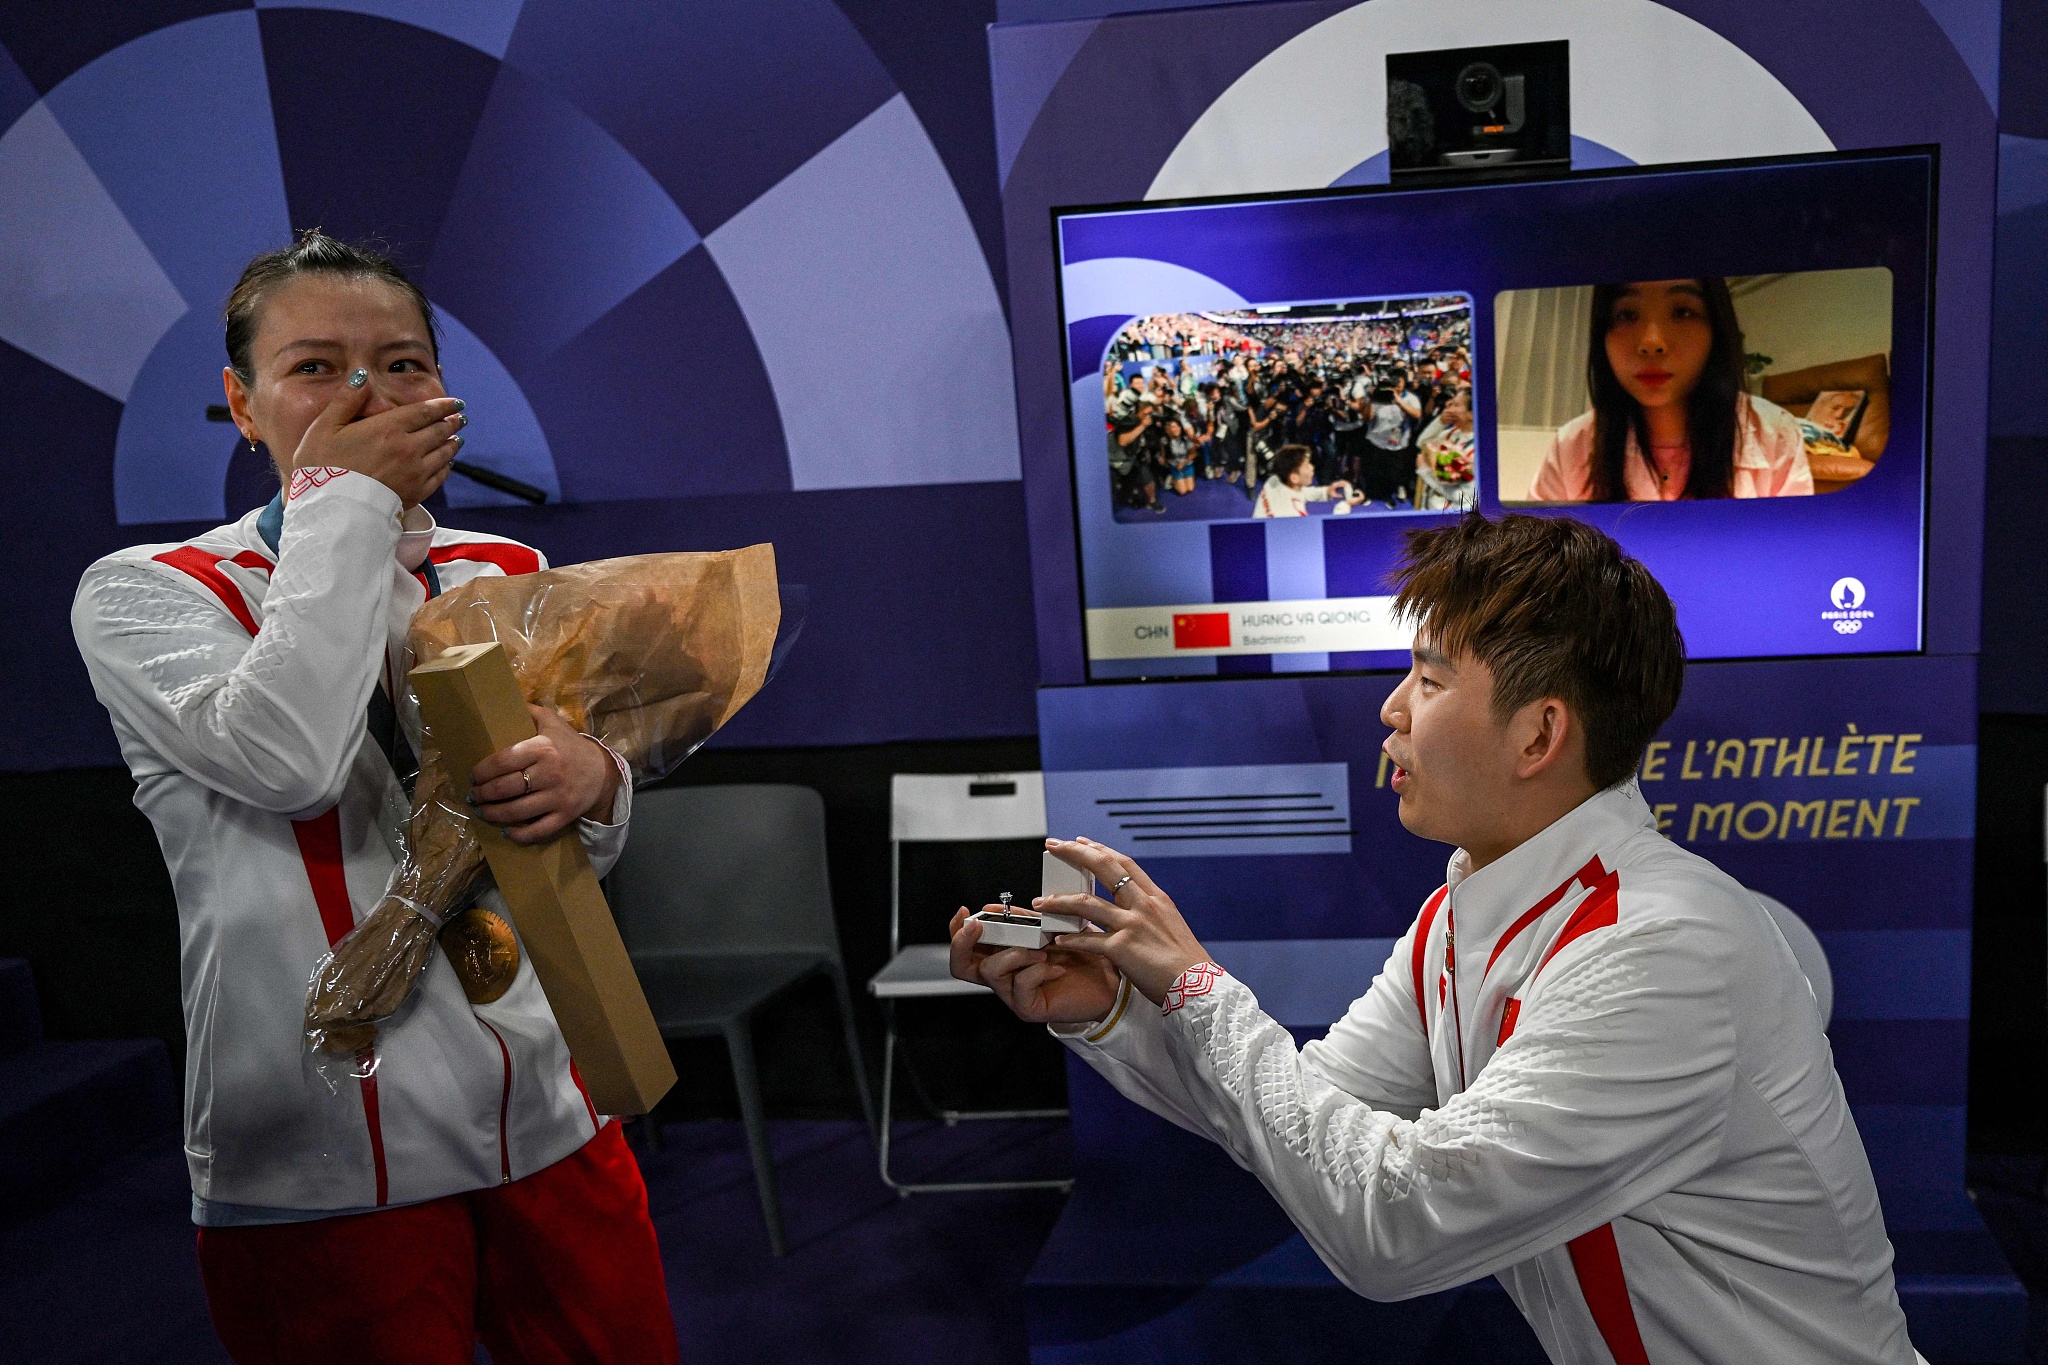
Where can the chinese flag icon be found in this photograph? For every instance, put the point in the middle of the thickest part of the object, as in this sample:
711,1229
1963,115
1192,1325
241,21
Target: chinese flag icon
1202,630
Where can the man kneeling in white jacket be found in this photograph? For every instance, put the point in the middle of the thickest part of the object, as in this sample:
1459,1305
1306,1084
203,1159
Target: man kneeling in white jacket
1591,1067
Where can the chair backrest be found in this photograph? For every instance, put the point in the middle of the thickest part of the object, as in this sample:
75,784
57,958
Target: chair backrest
952,808
956,807
725,869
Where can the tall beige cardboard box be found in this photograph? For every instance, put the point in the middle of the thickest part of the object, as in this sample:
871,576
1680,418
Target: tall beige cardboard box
472,705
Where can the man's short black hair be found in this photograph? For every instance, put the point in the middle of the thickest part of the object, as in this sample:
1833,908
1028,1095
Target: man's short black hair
1553,608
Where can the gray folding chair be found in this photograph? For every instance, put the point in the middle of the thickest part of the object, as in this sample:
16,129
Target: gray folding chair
947,808
723,901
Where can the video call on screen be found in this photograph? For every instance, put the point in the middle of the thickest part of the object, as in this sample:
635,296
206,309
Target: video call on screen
1723,366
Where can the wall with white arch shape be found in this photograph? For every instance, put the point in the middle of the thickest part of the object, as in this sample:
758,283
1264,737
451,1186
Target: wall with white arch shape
1647,82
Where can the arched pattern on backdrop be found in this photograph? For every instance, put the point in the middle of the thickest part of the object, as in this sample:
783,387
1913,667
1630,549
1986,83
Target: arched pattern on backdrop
584,191
1713,100
1291,96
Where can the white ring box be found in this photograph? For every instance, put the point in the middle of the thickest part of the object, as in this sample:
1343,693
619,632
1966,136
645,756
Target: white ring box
1023,928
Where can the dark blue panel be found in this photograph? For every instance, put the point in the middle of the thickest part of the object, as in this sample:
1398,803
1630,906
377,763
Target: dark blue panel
551,225
1928,697
1237,573
1902,1061
1358,561
16,93
662,397
1237,562
49,42
57,445
938,56
877,659
2015,659
1538,233
1244,665
373,122
1893,884
2023,54
1088,339
719,101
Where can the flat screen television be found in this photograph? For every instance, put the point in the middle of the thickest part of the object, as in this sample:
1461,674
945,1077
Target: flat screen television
1723,365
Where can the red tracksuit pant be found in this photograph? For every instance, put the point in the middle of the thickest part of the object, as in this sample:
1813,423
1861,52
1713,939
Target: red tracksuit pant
560,1266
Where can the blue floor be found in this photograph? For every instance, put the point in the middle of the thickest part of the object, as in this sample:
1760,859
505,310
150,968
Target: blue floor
110,1276
1212,500
869,1277
1222,500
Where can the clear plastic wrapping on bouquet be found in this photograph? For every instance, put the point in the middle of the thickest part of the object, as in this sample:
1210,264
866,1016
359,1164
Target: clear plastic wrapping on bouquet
649,654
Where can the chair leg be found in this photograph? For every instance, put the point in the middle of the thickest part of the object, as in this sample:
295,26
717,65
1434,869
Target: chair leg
860,1067
739,1041
904,1189
885,1129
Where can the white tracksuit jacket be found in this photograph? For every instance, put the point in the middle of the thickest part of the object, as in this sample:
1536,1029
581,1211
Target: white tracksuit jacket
238,679
1591,1068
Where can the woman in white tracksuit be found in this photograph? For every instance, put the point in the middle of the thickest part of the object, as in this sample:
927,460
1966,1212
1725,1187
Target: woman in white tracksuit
465,1189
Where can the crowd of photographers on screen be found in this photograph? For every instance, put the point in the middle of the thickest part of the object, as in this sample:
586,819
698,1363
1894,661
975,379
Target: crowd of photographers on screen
1356,410
1359,412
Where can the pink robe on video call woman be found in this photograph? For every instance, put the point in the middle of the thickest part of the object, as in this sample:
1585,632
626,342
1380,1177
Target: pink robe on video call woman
1770,460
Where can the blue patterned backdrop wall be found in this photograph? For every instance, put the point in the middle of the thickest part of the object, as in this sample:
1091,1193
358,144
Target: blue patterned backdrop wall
705,275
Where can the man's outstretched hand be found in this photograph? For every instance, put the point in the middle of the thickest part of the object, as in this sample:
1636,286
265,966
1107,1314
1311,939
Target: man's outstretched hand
1143,934
1136,933
1039,987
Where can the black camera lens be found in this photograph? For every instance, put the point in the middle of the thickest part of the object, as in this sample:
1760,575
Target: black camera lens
1479,87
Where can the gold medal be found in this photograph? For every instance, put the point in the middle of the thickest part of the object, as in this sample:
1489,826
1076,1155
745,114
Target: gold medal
484,952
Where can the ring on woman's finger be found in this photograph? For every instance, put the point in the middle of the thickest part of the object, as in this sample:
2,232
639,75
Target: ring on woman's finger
1120,885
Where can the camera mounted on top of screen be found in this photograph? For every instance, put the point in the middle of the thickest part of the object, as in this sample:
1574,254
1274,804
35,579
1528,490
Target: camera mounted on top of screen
1464,113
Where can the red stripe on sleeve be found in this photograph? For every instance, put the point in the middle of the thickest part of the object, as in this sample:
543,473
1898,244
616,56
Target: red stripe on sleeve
513,559
203,566
1591,873
1599,912
1423,923
1598,1262
1508,1015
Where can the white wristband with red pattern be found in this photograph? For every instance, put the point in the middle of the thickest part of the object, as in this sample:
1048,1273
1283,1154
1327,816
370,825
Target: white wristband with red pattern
1199,979
311,477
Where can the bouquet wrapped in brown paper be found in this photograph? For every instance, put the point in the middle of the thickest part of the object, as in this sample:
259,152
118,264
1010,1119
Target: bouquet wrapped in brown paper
650,654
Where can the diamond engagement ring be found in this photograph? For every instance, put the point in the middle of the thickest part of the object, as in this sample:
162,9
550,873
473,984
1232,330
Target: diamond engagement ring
526,776
1120,886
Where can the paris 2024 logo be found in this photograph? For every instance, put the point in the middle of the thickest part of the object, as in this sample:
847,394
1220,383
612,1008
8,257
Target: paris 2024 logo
1848,616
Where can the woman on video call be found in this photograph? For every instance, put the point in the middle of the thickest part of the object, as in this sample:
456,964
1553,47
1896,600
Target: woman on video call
1669,417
